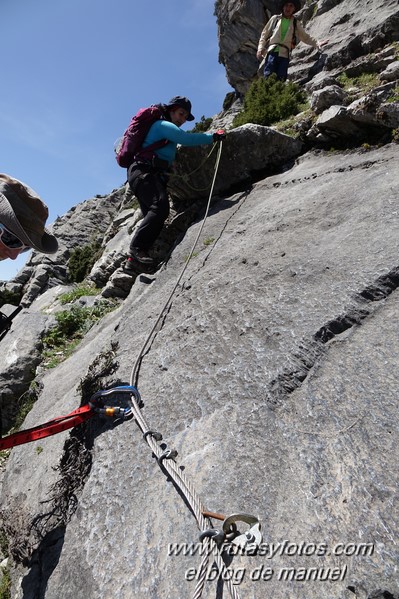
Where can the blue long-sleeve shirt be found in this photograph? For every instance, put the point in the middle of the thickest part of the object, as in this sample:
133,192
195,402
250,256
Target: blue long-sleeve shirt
167,130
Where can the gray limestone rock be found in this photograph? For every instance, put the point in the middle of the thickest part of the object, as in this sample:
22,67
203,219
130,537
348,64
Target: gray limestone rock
273,373
388,115
368,117
19,357
391,73
326,97
354,31
337,122
247,150
369,110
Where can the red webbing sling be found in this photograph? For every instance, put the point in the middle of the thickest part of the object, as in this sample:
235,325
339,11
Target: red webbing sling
120,408
52,427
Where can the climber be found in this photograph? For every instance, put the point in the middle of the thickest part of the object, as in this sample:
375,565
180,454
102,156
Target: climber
148,177
22,218
279,36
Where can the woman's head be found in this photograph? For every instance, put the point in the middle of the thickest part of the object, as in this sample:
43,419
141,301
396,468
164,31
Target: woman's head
179,109
23,217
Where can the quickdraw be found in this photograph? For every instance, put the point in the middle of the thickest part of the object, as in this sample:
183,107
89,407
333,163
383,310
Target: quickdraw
112,403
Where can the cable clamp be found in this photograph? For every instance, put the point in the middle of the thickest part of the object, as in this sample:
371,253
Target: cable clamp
157,436
168,454
217,535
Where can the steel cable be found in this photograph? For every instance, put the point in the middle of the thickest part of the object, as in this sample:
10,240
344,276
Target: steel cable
167,462
193,500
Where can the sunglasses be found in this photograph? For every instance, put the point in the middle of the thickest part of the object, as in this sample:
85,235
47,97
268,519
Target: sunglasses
11,241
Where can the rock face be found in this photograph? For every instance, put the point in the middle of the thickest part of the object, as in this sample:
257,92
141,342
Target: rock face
362,44
248,151
273,375
240,24
355,29
272,369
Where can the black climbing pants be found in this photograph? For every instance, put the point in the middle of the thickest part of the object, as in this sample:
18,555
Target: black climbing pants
149,186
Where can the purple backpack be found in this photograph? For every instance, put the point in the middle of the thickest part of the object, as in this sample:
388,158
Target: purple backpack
129,146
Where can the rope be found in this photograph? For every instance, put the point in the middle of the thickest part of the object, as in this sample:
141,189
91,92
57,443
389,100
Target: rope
134,375
166,457
187,176
201,164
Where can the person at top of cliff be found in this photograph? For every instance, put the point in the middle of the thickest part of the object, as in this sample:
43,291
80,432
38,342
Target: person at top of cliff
148,178
22,218
279,36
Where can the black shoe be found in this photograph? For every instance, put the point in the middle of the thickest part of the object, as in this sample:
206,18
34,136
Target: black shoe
131,267
141,256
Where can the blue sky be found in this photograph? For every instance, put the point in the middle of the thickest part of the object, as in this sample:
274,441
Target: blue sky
75,71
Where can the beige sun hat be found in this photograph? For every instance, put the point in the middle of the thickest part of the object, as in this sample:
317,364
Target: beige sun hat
25,215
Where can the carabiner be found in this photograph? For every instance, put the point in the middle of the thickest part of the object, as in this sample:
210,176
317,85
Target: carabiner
115,402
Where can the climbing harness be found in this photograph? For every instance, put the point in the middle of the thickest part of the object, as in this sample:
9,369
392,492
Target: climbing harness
113,403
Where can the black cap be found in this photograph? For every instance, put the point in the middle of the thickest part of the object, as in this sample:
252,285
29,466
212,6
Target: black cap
183,102
296,3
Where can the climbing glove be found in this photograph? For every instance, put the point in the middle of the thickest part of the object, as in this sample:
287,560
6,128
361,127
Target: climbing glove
219,135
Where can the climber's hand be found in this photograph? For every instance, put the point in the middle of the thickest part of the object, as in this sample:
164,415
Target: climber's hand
219,135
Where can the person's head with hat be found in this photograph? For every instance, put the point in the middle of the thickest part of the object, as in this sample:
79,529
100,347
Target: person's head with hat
289,8
23,217
179,110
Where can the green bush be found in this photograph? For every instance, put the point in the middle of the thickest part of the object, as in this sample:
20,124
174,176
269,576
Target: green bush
70,321
4,543
228,100
5,584
9,297
82,260
71,327
394,95
365,82
77,292
202,125
269,101
75,321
